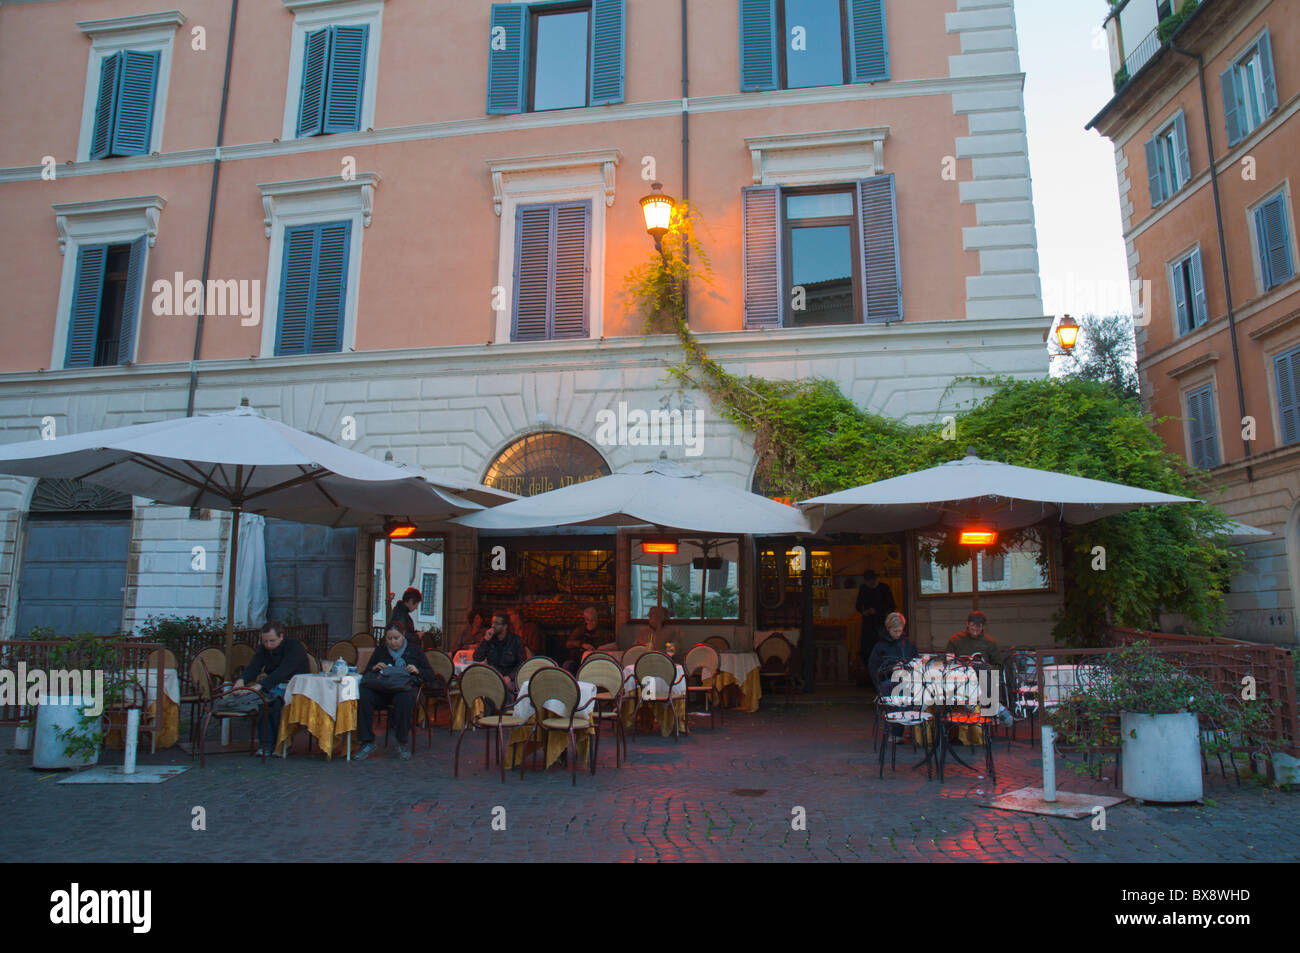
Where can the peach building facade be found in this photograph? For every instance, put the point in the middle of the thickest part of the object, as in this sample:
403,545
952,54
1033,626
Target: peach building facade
1213,245
409,223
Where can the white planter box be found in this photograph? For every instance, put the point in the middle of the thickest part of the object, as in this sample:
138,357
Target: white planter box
1161,757
53,716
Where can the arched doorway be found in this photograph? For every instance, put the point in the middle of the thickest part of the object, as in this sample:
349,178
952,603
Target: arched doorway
78,540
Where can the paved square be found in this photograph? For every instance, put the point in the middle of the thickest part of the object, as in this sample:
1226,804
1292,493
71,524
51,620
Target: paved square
725,795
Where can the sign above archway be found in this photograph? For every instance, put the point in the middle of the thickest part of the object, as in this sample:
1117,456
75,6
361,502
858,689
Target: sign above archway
540,462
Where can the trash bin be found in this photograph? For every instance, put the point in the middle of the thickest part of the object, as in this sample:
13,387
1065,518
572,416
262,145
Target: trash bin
54,715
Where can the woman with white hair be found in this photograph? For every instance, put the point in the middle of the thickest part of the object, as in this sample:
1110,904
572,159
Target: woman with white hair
893,650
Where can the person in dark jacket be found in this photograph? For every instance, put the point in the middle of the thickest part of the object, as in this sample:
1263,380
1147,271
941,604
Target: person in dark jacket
399,666
275,662
404,611
875,602
501,649
891,651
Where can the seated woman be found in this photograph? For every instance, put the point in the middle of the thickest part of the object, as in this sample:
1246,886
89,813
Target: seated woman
472,634
890,652
655,636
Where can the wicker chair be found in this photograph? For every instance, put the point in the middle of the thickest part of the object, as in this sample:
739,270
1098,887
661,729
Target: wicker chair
168,659
718,643
442,665
655,665
776,659
532,665
364,640
604,673
556,685
207,669
241,656
701,667
631,655
341,650
207,707
481,681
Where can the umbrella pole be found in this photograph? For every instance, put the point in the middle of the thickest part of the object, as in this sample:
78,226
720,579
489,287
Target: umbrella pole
388,579
230,591
660,597
974,579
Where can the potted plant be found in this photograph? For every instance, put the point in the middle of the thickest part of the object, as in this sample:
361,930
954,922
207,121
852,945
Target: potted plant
1151,706
62,722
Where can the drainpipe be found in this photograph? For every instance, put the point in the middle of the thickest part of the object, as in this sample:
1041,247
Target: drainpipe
212,209
1223,245
686,152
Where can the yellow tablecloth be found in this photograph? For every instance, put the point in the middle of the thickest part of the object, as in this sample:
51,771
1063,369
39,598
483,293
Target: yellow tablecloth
302,712
557,742
658,710
966,734
168,731
751,691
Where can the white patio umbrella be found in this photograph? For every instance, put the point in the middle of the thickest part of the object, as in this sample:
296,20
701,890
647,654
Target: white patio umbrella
239,461
972,492
661,495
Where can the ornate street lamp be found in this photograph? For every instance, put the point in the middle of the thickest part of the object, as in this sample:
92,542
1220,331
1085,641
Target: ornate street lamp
657,209
1067,333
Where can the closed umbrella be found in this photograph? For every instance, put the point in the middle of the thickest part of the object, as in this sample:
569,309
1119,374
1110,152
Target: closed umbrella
239,461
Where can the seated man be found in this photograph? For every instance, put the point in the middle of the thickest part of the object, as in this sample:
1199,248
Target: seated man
655,636
391,680
973,641
893,651
584,638
501,649
275,662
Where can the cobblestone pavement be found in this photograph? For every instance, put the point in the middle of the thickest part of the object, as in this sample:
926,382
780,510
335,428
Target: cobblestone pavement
724,795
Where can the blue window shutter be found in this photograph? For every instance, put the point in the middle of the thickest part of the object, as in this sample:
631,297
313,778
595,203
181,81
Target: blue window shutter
508,68
133,117
1184,154
758,68
1194,429
1269,80
1232,106
296,287
135,277
1287,366
881,270
101,138
533,270
868,41
1154,179
572,244
1203,451
1181,303
608,42
1274,242
761,224
346,78
87,297
1198,309
330,293
315,64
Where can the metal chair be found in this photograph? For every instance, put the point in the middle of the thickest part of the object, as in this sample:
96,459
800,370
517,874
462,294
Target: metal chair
655,665
776,658
168,658
903,710
241,656
341,650
207,705
959,710
555,685
530,666
718,643
206,668
605,674
1020,691
445,669
631,655
483,682
364,640
702,666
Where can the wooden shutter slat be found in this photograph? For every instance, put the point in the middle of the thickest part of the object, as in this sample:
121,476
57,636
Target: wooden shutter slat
1268,79
1231,104
608,42
761,223
532,272
1154,181
758,64
1287,367
87,297
1197,311
135,279
315,63
1182,150
296,289
868,41
507,69
133,115
1180,297
101,138
1274,242
881,269
346,78
572,244
329,302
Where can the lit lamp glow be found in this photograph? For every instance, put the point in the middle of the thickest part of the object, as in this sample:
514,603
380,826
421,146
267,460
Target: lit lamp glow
659,547
400,530
1067,333
657,209
978,537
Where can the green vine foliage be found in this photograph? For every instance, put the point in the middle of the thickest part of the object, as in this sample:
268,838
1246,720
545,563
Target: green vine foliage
810,439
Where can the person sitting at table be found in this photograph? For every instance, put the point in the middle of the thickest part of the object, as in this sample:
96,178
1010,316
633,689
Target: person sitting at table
276,661
472,634
973,641
391,680
529,633
501,649
893,651
655,637
584,638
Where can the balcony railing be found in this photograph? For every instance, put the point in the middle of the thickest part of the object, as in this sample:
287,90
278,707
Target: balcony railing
1143,52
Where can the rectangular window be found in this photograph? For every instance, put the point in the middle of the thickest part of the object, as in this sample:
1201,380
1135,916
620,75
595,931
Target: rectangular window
313,289
1168,160
1273,239
555,56
124,107
552,247
429,595
1249,90
378,610
1286,367
806,252
1022,567
105,304
1190,306
797,44
993,568
700,581
333,80
1202,431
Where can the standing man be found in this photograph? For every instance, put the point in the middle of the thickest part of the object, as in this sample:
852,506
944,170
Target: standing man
404,612
274,663
391,680
875,602
501,649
